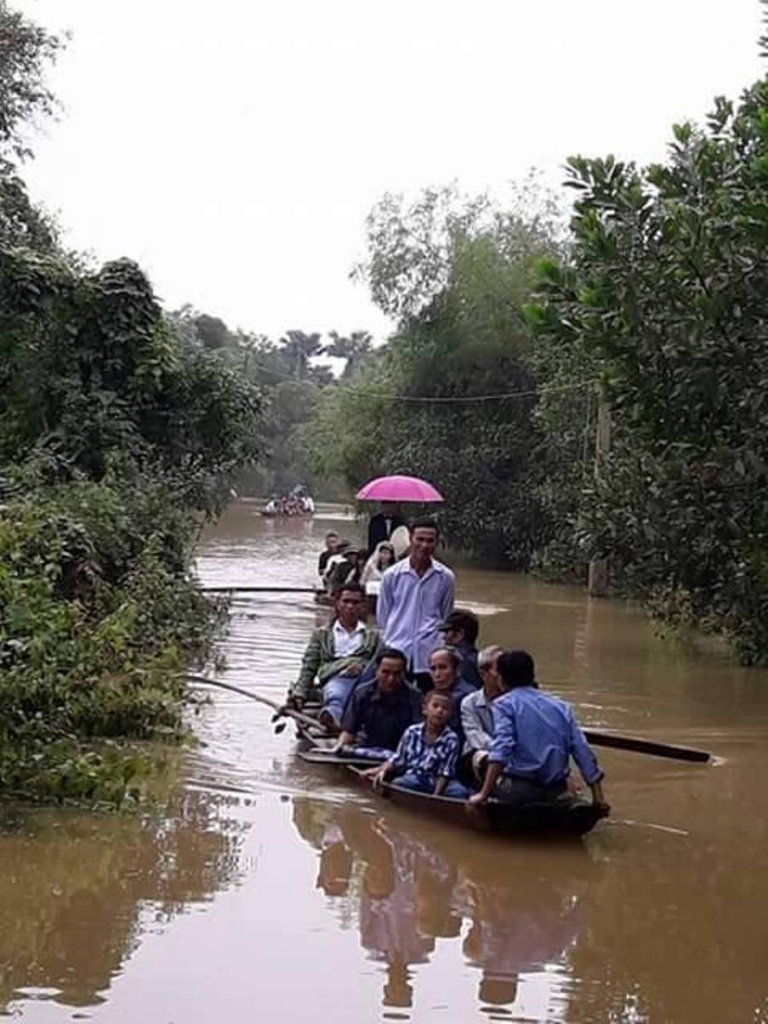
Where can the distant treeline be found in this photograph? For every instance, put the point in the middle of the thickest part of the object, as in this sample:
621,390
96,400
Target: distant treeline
291,382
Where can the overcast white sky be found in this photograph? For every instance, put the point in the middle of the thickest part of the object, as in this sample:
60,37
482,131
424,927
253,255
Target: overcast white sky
234,148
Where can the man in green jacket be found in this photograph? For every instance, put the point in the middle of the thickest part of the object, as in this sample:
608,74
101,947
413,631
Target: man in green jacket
335,656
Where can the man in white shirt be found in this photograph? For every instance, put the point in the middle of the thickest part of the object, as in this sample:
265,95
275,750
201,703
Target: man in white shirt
477,713
416,597
336,655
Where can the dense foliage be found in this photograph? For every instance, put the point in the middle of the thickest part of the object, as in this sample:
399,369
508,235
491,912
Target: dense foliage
666,293
118,438
451,396
291,379
651,317
98,619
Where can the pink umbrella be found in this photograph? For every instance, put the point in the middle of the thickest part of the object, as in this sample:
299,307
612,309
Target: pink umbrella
399,488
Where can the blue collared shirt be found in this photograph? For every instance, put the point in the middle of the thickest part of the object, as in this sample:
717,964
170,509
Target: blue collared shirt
536,734
430,761
411,607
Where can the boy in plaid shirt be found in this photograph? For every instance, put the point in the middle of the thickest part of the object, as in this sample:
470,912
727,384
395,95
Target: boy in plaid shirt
428,753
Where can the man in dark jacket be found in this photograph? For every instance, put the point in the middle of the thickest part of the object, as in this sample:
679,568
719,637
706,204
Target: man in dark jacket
460,630
383,524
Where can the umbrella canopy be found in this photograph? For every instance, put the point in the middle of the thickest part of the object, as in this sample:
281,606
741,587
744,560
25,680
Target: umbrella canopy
399,488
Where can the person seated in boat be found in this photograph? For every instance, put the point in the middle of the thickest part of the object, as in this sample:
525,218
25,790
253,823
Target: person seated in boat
336,655
535,736
332,541
460,630
477,714
271,507
370,580
337,558
378,713
445,671
348,569
380,560
428,753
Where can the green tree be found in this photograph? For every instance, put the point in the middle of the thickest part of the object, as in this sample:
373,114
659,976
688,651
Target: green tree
451,396
355,349
91,374
666,295
301,348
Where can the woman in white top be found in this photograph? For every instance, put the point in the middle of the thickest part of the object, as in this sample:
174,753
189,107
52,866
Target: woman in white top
381,559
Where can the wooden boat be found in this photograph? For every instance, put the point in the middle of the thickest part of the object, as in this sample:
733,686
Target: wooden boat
285,515
565,816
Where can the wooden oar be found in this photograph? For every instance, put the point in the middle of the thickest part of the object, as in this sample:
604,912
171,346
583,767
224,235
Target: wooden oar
296,715
330,757
641,746
599,738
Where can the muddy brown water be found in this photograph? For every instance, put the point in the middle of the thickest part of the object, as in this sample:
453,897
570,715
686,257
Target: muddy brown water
272,890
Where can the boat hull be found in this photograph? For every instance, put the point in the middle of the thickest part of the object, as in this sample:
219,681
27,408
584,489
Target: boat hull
567,816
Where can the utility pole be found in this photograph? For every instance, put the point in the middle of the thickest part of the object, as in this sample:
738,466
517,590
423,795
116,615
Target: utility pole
597,584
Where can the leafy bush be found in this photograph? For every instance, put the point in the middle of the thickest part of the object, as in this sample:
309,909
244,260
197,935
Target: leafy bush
98,617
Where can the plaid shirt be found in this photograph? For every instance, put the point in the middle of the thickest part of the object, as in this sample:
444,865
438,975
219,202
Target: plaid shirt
427,760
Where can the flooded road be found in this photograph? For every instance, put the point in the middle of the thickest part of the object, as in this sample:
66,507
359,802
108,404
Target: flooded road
271,890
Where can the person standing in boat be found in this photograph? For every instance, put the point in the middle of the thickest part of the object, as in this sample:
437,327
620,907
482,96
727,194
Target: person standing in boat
383,524
416,596
535,736
335,656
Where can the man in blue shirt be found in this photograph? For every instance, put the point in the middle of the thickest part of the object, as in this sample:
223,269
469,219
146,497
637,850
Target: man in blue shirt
535,737
416,597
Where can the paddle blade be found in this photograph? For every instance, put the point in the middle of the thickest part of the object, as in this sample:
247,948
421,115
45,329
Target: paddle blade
281,727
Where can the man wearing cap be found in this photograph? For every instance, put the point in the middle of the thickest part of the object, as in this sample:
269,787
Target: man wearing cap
460,630
416,597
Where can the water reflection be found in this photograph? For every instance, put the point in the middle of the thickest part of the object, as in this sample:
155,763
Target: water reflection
406,886
79,891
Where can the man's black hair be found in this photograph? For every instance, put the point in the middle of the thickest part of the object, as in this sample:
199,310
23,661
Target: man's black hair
391,652
516,668
465,620
354,587
424,523
438,693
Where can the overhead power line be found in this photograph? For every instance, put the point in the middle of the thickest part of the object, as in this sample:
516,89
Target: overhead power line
370,393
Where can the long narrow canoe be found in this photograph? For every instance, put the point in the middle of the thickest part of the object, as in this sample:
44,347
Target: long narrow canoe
565,816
